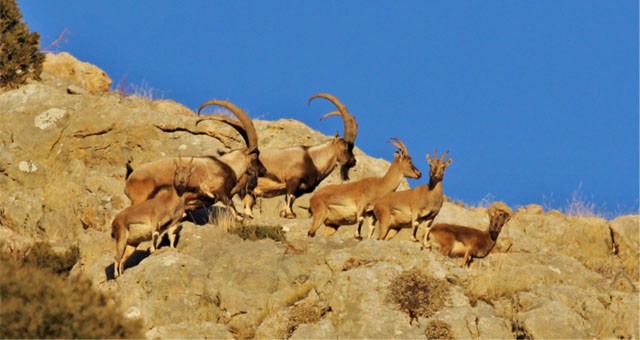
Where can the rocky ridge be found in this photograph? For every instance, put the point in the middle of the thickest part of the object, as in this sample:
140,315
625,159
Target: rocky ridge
65,141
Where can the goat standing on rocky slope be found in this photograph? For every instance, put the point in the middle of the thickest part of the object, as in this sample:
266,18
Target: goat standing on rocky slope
152,218
413,207
298,170
222,176
346,203
457,241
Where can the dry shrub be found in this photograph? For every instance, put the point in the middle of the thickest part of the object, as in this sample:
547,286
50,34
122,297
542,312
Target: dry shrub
438,329
418,294
242,330
257,232
37,303
301,314
43,256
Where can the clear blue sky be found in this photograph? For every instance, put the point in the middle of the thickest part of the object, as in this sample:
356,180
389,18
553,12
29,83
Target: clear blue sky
534,99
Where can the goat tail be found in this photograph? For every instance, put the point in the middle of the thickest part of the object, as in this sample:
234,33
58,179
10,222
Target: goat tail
129,168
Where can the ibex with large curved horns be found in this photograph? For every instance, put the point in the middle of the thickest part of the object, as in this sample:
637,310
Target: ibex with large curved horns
221,176
297,170
346,203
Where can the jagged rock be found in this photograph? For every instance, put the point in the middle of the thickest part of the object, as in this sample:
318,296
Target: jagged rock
625,233
89,76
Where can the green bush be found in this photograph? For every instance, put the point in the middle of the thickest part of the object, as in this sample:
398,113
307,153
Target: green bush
41,255
36,303
20,58
417,294
257,232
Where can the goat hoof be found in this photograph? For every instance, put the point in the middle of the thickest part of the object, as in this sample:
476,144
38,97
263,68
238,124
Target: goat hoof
289,215
311,234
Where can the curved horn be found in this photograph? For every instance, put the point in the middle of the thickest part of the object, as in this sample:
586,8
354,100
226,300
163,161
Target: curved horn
251,137
232,122
332,113
350,125
400,145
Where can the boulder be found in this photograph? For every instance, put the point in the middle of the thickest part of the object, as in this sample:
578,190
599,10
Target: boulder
86,75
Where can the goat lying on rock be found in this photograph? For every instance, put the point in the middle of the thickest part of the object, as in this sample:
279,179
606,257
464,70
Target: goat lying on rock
458,241
152,218
413,207
346,203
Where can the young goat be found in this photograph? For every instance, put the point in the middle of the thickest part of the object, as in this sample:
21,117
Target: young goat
346,203
410,208
152,218
457,241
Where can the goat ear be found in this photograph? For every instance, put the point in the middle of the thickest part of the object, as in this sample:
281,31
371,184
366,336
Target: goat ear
428,158
448,162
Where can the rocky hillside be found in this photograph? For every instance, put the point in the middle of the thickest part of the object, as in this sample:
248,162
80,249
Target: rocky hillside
64,143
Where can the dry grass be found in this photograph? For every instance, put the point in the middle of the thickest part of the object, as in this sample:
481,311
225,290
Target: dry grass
579,205
220,217
494,284
142,90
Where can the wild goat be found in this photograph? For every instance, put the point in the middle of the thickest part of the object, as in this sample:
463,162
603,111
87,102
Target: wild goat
298,170
152,218
346,203
413,207
457,241
222,176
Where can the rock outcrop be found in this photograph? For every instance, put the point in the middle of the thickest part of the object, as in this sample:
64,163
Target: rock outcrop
62,168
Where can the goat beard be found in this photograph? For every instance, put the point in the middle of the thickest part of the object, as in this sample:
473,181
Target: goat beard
344,172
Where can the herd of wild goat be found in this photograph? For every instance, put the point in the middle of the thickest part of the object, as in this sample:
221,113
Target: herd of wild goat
161,192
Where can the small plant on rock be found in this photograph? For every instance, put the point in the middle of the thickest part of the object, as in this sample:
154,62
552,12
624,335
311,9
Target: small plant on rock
417,294
304,314
42,255
256,232
438,329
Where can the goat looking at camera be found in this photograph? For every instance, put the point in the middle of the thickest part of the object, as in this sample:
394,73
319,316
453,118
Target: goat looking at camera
413,207
346,203
152,218
458,241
